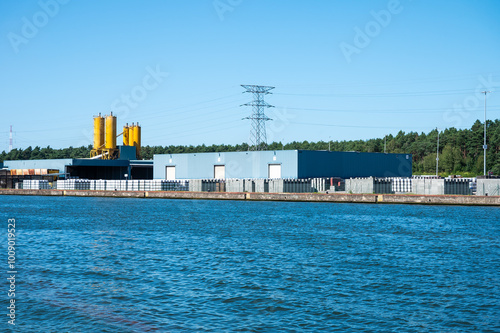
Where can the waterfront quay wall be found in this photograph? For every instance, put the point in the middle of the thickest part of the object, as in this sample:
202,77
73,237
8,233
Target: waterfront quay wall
305,197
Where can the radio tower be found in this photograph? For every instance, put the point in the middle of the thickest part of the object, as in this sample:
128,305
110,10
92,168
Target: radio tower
10,139
258,137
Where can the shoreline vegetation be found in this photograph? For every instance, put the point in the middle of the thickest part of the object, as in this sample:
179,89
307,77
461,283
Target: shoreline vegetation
460,150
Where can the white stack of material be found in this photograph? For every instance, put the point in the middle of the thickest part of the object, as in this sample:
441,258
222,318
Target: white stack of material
100,185
119,185
60,185
318,185
73,184
154,184
133,185
35,184
123,185
69,184
82,184
116,185
182,185
111,185
401,185
26,184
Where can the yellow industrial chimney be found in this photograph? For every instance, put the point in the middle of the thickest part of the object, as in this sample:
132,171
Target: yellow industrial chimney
98,132
137,140
126,136
110,132
131,130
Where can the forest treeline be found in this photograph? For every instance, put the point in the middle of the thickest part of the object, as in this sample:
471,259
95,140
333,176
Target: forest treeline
460,150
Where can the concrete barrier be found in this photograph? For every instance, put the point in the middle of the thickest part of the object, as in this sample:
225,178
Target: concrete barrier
249,185
261,185
488,187
428,186
235,185
276,185
359,185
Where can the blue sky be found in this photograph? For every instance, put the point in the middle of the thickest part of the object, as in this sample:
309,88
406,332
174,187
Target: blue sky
342,69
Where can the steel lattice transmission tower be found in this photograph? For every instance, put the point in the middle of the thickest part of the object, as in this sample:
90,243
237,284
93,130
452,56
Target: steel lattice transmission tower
258,135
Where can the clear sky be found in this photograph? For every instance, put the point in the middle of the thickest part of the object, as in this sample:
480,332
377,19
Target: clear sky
342,69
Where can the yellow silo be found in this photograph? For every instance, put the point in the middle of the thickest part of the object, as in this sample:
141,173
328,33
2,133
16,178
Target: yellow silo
98,132
126,137
131,130
110,132
137,140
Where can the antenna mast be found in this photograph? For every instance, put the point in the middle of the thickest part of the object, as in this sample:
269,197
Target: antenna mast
10,139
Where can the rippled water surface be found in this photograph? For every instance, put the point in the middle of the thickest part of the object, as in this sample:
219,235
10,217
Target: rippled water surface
146,265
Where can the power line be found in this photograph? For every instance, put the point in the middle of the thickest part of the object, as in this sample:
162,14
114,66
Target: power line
405,111
10,139
388,94
358,126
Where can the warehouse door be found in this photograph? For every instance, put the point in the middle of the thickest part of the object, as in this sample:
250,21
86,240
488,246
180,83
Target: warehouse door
274,171
170,173
219,171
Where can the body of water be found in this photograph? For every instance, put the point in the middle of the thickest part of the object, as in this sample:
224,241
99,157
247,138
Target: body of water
146,265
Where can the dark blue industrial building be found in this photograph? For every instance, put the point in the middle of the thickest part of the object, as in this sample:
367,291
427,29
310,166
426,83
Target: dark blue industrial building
126,167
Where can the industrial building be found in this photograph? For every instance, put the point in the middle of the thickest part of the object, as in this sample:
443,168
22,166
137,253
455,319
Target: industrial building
83,168
107,159
293,164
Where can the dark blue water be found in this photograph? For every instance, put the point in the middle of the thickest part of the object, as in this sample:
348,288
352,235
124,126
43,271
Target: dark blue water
146,265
